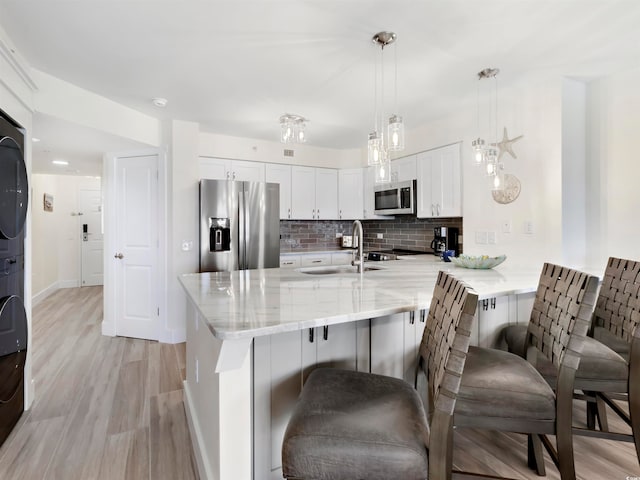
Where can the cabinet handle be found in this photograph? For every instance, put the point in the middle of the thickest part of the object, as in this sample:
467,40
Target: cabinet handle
318,213
412,318
423,314
228,173
234,175
289,213
325,332
432,210
485,304
340,214
493,303
364,214
313,213
288,263
438,209
311,330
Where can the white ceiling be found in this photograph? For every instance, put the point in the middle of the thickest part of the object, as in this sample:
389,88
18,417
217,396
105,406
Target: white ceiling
235,66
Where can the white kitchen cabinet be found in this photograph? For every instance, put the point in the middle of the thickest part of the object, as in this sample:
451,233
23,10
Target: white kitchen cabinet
350,193
342,258
281,174
290,261
226,169
326,194
493,314
439,182
315,259
395,341
281,363
314,193
403,169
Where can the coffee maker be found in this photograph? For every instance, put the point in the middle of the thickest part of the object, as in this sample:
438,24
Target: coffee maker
445,238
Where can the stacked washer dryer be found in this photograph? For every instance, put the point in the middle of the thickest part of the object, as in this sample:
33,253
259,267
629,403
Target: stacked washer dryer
14,193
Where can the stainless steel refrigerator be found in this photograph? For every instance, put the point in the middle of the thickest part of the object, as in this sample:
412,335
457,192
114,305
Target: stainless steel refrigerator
239,225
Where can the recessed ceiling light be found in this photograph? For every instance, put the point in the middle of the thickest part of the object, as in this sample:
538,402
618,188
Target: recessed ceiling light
35,140
60,162
160,102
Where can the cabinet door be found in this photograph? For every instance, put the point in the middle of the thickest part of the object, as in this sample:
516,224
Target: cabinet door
281,174
247,171
215,168
439,182
387,345
303,193
492,317
326,194
350,194
290,261
446,184
403,169
277,384
414,323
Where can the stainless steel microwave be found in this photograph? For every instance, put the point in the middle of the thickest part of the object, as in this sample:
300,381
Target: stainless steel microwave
395,198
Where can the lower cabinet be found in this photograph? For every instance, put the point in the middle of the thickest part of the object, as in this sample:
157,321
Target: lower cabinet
395,341
281,363
493,314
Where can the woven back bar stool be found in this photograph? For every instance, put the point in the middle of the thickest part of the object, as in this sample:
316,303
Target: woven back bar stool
504,391
610,361
353,425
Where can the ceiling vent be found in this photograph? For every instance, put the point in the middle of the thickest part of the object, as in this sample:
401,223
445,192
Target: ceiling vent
288,153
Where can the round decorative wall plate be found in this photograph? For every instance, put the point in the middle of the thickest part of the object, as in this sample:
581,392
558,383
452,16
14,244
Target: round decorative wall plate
511,190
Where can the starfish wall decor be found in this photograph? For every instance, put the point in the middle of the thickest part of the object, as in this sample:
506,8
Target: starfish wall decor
506,145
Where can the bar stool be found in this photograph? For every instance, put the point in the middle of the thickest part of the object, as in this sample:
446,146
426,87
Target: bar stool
356,425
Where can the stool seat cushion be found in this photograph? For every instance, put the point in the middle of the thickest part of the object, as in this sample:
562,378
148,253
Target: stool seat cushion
615,343
354,425
601,368
501,385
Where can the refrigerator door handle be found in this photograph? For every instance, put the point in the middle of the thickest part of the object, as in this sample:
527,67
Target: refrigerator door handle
242,242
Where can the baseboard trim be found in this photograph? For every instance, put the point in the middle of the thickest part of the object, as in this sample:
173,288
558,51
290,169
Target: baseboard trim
44,293
196,435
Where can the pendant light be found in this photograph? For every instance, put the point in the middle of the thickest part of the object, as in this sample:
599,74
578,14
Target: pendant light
379,146
292,128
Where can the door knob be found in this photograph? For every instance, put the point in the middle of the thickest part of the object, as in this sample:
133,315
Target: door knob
118,256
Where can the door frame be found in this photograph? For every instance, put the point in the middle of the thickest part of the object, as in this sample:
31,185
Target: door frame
109,321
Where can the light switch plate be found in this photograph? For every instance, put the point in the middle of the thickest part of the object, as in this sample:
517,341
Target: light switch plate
379,236
481,238
491,238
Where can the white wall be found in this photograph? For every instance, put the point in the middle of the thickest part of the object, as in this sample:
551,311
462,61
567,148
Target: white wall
238,148
614,169
574,165
532,110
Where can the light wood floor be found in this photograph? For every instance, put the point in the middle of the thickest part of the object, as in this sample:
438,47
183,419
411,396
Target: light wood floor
105,408
111,408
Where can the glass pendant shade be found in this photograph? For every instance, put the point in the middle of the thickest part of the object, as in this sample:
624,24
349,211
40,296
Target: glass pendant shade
491,161
498,180
478,151
383,172
375,149
395,134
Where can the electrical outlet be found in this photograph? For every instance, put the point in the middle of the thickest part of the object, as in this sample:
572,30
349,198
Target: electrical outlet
481,238
506,226
528,227
187,245
491,238
379,236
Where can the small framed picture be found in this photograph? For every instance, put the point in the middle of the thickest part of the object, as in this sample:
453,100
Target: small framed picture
48,202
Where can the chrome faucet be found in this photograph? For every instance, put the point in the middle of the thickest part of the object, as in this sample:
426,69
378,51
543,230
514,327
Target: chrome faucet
359,261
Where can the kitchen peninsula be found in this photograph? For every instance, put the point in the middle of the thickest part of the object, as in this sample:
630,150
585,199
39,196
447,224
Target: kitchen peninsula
254,335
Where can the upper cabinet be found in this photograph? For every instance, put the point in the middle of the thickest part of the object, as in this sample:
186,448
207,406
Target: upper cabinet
403,169
314,193
350,193
225,169
281,174
439,182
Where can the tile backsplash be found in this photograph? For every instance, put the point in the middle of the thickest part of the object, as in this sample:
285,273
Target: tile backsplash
406,232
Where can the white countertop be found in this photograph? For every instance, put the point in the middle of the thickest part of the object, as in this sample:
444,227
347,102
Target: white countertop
252,303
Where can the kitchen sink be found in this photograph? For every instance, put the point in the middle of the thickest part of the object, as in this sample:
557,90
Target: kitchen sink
333,269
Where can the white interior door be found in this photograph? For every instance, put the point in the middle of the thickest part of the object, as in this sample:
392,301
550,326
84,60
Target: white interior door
136,244
92,242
